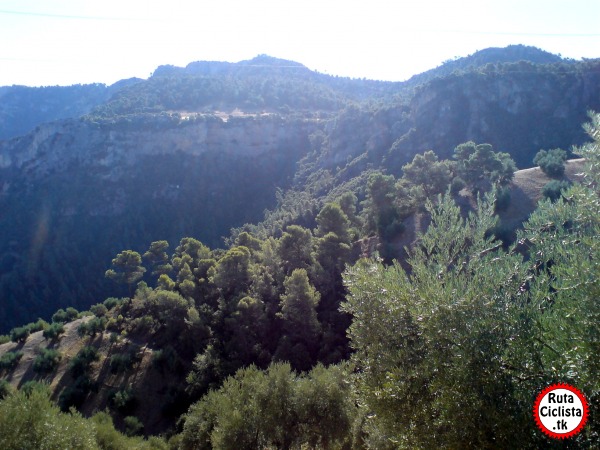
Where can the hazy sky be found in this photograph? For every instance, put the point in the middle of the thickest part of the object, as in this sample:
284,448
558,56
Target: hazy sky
49,42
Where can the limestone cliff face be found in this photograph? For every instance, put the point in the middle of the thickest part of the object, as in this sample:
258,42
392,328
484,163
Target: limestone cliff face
113,146
80,190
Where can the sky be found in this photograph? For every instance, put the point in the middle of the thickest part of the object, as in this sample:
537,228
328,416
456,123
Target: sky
64,42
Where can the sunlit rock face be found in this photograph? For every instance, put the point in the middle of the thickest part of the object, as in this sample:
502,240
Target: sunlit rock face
115,144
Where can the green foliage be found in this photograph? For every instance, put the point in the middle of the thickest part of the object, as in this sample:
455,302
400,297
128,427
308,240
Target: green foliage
120,362
166,359
502,201
75,394
111,302
99,310
80,364
275,408
31,420
331,219
19,334
5,389
552,162
158,258
32,385
92,327
127,268
298,309
295,248
46,361
427,172
133,426
123,400
54,331
108,438
231,272
62,316
554,189
451,354
380,208
479,166
9,360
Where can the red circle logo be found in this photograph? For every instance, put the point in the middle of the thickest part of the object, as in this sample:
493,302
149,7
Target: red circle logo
561,411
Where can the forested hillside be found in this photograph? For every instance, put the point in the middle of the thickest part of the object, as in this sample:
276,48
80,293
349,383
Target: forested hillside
199,150
445,352
254,255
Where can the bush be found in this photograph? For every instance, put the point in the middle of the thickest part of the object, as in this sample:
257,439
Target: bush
54,331
457,185
74,395
120,362
111,302
92,327
30,386
166,359
502,199
553,189
4,339
9,360
99,310
552,162
80,364
123,400
46,361
32,421
40,325
133,426
19,334
63,316
5,389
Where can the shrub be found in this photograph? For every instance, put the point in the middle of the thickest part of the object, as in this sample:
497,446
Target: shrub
552,162
553,189
54,331
165,359
502,199
9,360
74,395
32,421
457,185
133,426
19,334
4,339
65,316
92,327
46,361
30,386
80,364
111,302
99,310
120,362
123,400
40,325
5,389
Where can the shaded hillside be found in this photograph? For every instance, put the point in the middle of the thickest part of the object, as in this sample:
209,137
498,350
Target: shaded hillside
199,150
133,356
82,191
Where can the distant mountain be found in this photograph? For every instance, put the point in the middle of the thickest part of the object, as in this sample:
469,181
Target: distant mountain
495,55
23,108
